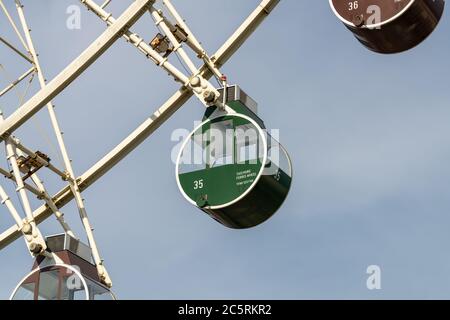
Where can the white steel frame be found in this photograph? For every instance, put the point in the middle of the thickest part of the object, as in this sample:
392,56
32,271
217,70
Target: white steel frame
195,83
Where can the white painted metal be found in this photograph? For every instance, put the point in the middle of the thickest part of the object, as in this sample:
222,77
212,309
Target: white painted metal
116,29
12,158
16,82
76,68
42,193
32,236
69,173
10,206
176,101
13,48
51,204
162,62
192,41
149,126
13,24
105,4
39,159
33,190
35,238
160,21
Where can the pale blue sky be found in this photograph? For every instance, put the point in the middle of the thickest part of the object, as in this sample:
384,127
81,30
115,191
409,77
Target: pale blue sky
369,136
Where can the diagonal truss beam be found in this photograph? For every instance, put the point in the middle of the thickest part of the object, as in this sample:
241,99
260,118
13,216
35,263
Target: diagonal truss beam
76,68
179,98
15,50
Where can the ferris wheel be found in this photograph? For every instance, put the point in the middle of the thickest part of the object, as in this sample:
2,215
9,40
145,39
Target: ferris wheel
229,167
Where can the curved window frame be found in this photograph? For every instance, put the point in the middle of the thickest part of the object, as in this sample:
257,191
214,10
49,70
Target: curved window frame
38,271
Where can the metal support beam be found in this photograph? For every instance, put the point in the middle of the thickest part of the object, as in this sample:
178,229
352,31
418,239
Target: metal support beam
158,59
76,68
39,159
13,25
65,195
244,32
178,99
16,82
9,45
30,188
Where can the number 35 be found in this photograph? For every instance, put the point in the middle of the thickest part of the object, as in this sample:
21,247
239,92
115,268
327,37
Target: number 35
198,184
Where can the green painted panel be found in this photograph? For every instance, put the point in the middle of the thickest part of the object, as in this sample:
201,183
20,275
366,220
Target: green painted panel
258,205
219,185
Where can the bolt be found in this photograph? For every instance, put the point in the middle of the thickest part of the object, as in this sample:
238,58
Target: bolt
202,201
27,229
35,248
358,20
209,96
195,82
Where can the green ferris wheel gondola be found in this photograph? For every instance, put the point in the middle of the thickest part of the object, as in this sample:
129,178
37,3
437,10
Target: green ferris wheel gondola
230,168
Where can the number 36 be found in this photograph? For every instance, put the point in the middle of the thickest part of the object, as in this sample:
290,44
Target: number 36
353,5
